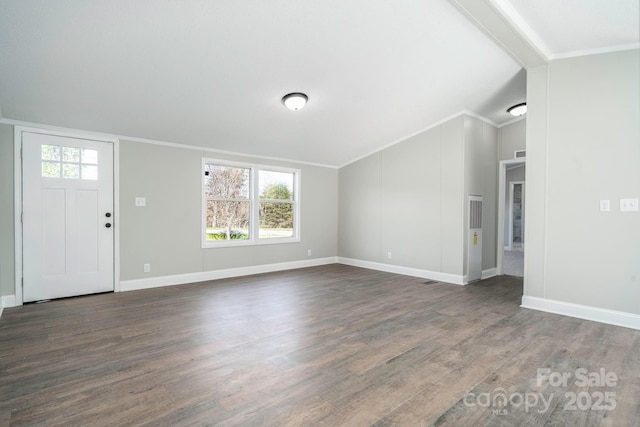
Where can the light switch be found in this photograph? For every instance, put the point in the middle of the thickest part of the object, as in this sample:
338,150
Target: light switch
141,201
628,205
605,205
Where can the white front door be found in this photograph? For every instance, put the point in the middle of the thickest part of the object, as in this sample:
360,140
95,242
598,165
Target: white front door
68,223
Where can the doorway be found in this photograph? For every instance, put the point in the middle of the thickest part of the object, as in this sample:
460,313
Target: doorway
511,217
67,234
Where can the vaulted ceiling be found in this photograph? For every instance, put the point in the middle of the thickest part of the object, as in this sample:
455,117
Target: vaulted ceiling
212,73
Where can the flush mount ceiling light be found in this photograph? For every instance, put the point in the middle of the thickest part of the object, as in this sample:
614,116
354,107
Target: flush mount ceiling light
295,101
518,110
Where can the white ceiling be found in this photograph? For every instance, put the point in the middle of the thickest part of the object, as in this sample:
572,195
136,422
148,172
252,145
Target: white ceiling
212,73
565,28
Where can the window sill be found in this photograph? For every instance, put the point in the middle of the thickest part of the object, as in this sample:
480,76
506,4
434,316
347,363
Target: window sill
236,243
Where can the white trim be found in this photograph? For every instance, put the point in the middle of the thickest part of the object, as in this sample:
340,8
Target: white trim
254,200
116,216
8,301
479,117
602,315
182,279
519,25
502,194
595,51
17,212
490,272
512,121
68,133
64,130
431,126
407,271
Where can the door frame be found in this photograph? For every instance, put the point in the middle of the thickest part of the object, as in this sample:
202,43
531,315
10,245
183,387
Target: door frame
502,193
17,145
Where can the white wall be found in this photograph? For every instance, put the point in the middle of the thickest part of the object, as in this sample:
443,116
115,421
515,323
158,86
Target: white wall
583,145
167,232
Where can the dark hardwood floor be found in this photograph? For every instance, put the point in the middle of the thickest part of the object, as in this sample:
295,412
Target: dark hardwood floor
332,345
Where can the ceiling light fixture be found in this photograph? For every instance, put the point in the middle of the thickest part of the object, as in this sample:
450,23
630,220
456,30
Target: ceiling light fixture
518,110
295,101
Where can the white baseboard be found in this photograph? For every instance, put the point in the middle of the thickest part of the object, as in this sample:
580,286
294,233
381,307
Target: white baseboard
407,271
7,301
181,279
489,273
602,315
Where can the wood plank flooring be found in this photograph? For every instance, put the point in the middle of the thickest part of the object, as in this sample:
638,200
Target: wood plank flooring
332,345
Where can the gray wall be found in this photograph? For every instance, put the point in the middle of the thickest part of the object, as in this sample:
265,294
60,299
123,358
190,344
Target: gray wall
410,199
583,145
167,232
7,268
511,138
481,179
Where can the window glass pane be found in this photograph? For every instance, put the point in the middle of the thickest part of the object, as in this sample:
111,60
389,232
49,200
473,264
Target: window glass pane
90,156
70,171
227,220
50,152
89,172
276,185
226,182
50,170
276,220
70,154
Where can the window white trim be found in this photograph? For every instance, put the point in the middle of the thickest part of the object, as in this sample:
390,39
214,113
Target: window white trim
254,197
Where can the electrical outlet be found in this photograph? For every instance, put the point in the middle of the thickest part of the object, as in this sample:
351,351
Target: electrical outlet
141,201
389,256
146,268
605,205
308,252
628,205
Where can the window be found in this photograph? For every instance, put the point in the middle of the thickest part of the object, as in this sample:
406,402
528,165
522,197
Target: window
246,204
69,162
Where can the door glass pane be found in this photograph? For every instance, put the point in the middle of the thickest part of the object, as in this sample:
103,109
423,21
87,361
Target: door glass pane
517,213
89,172
70,154
70,171
90,156
50,152
50,170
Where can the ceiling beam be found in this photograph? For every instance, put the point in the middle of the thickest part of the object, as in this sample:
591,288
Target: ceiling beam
497,25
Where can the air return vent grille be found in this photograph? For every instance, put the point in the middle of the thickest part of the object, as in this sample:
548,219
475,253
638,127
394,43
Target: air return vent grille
475,214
